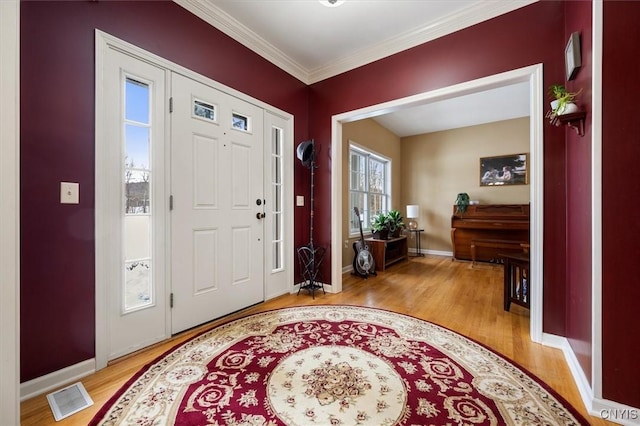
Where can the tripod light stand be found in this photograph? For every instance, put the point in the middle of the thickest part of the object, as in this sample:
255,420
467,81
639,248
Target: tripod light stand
309,256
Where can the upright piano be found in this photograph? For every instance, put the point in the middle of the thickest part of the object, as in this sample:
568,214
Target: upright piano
489,222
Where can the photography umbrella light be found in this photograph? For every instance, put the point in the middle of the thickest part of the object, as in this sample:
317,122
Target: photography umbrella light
306,152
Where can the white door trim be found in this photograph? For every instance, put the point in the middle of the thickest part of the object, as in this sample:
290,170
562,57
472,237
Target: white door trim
533,75
10,211
596,206
103,42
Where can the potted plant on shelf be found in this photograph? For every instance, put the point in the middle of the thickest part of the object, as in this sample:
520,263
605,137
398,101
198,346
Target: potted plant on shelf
395,223
562,100
379,226
462,202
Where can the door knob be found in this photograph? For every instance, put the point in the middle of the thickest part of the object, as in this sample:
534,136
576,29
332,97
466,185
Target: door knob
260,215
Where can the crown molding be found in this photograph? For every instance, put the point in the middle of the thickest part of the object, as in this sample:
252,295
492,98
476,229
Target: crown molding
469,16
451,23
227,24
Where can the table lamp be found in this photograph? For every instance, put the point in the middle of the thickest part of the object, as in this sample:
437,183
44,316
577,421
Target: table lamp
413,211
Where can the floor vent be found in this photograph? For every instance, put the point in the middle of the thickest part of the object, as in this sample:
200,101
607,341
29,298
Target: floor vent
69,400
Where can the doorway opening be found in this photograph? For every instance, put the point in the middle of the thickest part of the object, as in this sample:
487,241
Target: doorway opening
531,75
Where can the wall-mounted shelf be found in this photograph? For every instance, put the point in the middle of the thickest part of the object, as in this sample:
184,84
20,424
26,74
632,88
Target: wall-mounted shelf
574,120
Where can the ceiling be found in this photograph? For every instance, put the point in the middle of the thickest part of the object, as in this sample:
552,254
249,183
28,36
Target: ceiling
503,103
313,42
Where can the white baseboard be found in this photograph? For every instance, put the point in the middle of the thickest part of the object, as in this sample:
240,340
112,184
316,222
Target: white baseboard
580,379
432,252
608,410
57,379
554,341
436,252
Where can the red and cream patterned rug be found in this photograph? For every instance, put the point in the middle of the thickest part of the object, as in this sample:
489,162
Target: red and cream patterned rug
334,365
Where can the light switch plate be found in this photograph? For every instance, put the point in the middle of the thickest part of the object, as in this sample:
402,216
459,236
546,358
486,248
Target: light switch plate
69,193
299,200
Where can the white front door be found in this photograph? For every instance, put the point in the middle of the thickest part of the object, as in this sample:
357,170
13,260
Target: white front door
227,153
217,221
131,203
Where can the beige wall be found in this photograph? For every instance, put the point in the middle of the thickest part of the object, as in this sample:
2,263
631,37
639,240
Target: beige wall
369,134
431,169
437,166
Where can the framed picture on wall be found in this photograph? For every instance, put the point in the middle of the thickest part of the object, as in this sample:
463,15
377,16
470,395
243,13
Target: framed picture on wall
504,170
572,56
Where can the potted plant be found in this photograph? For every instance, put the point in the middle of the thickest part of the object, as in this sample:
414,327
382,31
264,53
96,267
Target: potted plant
395,223
562,100
379,226
462,202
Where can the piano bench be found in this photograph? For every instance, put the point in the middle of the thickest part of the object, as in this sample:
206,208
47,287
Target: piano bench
499,244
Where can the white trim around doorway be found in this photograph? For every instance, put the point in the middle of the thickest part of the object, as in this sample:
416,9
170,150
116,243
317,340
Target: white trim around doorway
10,211
534,76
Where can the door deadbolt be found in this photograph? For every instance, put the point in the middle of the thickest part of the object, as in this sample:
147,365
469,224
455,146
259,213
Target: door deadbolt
259,202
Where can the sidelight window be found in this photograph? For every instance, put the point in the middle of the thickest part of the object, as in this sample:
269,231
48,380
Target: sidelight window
277,232
137,291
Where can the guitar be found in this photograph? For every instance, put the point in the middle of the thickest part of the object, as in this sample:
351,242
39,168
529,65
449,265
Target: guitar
363,263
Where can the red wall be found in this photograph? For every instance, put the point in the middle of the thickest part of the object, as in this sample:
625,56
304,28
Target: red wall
57,144
620,202
578,209
530,35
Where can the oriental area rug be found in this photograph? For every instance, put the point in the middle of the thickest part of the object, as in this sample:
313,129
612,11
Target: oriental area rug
333,365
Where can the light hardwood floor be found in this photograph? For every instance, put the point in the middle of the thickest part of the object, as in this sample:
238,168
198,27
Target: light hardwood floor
452,294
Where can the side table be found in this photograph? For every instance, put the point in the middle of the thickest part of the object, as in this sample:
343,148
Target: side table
387,252
516,276
417,236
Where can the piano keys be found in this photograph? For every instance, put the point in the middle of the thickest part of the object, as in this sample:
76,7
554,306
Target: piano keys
497,222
